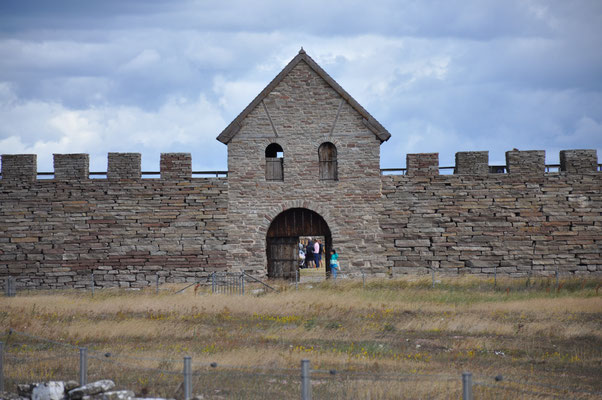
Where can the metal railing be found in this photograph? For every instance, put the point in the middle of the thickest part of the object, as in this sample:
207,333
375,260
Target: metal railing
393,171
493,169
403,171
227,283
145,174
233,283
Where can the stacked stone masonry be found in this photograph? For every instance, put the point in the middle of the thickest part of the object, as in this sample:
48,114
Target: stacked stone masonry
472,163
526,162
422,164
71,166
493,223
54,233
176,166
300,113
19,167
578,161
124,166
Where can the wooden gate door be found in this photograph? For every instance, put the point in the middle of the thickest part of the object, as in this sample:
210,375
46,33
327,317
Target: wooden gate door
283,254
282,239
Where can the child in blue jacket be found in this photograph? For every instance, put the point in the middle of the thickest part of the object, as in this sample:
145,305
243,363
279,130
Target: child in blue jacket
334,263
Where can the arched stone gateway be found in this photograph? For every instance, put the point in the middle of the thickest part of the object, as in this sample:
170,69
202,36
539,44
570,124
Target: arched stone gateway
283,237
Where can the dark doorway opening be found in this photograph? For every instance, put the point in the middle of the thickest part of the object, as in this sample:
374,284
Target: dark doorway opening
283,240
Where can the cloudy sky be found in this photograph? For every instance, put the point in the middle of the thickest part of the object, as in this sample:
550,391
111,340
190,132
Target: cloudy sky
168,76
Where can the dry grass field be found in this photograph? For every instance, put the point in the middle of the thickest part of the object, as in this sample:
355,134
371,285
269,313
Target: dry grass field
390,339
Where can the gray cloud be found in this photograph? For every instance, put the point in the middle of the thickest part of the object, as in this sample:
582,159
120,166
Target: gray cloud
159,76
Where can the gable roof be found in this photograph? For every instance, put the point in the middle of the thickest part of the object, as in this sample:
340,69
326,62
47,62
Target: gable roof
371,123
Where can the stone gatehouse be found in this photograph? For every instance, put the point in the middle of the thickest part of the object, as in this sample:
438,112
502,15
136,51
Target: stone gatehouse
303,160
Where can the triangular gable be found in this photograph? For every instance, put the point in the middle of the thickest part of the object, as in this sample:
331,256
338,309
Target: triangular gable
371,123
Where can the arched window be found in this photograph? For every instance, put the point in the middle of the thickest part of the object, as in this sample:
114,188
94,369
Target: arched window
328,161
274,163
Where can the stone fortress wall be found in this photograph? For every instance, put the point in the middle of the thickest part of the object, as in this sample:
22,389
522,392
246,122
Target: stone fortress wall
524,221
129,230
126,230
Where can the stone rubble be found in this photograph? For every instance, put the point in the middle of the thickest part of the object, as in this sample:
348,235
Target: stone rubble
70,390
48,391
91,389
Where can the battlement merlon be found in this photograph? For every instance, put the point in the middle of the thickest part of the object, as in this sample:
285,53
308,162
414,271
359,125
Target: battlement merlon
578,161
472,163
422,164
529,162
176,166
124,166
19,167
121,166
69,167
518,162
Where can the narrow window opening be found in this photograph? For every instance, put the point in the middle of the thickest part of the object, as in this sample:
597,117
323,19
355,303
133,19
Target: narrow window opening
274,163
327,154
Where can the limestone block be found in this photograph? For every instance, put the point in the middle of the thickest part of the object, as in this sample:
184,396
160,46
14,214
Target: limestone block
413,243
91,389
118,395
53,390
25,389
152,398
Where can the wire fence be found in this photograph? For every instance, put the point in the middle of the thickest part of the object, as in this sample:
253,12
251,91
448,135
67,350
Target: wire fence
26,358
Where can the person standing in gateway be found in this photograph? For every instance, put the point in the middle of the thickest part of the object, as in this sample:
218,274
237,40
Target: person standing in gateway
309,253
317,254
334,263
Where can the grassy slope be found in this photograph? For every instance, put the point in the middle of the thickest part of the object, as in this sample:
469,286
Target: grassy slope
524,331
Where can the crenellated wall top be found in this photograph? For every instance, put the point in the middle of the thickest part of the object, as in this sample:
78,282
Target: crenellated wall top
529,162
178,166
76,167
